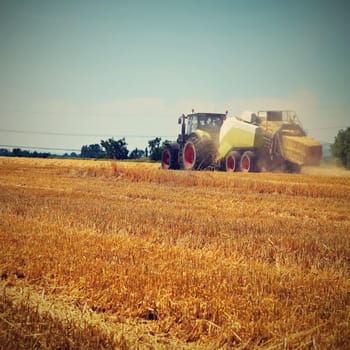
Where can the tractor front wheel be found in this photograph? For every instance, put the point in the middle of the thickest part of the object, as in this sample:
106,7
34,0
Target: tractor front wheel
169,159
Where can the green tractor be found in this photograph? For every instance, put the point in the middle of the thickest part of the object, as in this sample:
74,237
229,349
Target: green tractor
197,145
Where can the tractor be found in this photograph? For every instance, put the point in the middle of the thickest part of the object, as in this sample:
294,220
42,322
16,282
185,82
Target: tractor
196,147
267,140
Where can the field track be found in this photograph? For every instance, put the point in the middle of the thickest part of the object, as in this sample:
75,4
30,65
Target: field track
101,254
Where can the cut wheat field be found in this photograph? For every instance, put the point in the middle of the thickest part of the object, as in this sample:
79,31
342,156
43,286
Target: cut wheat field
101,254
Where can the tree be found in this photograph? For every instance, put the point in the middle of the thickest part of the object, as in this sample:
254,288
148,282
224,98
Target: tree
155,151
115,149
136,153
4,152
156,148
16,152
341,147
91,151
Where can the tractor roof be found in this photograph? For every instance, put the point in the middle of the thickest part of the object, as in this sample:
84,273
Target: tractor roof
221,115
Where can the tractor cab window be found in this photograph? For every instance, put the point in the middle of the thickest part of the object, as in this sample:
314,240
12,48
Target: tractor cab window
192,124
202,121
213,122
217,122
207,121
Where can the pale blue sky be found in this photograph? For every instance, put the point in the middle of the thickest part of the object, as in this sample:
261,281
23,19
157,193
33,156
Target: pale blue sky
132,67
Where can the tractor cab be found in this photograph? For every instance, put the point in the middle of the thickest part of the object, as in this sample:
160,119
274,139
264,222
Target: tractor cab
208,122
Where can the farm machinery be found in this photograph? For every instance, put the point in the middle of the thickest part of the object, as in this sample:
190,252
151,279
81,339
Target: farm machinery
253,142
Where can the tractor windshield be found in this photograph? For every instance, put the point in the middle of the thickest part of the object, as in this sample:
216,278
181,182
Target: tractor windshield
205,122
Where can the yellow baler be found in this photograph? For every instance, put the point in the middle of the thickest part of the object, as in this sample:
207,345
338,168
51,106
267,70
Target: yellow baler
266,140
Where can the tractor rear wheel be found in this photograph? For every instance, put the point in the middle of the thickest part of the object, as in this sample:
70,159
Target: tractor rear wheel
190,154
197,154
170,159
248,162
232,161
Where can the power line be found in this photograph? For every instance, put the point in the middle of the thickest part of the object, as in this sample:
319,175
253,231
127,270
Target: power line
129,114
32,132
76,135
48,133
42,148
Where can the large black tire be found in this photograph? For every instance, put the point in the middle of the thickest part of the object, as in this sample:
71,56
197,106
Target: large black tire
170,158
197,154
248,162
232,161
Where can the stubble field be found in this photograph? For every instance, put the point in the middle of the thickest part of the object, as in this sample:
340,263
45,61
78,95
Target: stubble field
99,254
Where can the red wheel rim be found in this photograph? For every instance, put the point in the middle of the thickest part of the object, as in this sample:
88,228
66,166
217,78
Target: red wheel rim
245,163
189,153
166,159
230,164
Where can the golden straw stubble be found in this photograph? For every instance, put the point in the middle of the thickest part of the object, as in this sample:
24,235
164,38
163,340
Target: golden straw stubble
110,254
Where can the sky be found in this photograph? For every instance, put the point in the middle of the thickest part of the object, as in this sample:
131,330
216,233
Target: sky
73,72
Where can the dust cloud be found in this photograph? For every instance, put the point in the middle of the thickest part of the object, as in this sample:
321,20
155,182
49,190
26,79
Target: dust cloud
326,170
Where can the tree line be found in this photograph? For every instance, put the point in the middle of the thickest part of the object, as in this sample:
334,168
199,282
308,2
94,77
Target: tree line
18,152
117,149
106,149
